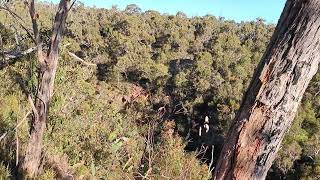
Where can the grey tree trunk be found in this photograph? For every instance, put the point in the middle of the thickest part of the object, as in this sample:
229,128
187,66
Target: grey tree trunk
271,101
48,67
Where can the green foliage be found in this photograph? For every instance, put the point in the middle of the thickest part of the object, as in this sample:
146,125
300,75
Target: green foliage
99,117
178,164
4,172
49,174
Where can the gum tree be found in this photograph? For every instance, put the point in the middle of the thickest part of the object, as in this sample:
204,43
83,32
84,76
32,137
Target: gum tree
48,62
274,94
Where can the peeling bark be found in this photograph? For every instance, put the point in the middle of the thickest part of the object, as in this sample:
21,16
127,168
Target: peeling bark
274,94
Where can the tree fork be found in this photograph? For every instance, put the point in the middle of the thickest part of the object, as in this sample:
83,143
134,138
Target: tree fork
274,94
48,67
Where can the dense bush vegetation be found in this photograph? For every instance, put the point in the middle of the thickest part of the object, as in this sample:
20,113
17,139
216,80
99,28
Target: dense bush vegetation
138,112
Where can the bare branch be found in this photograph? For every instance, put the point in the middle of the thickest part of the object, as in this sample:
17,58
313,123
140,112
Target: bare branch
17,148
211,167
72,5
19,20
34,16
23,120
58,27
12,57
81,60
16,35
2,49
3,136
17,126
33,107
18,54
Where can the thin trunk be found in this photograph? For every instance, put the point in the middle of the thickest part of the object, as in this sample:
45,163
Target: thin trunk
275,92
48,68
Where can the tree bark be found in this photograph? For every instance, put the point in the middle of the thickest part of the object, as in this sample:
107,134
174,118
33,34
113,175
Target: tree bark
274,94
48,67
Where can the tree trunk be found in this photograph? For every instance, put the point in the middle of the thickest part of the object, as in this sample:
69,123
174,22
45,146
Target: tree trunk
48,68
272,99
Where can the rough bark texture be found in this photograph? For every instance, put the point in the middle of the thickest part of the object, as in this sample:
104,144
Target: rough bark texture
48,67
272,99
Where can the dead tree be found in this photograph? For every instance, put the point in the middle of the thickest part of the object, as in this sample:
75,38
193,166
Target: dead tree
274,94
48,62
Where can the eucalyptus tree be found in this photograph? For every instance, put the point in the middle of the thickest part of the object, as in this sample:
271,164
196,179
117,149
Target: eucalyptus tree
48,64
274,94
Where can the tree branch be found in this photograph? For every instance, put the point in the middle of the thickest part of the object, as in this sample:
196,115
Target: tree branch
18,54
12,57
72,5
34,16
1,46
81,60
3,136
19,20
17,126
58,27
